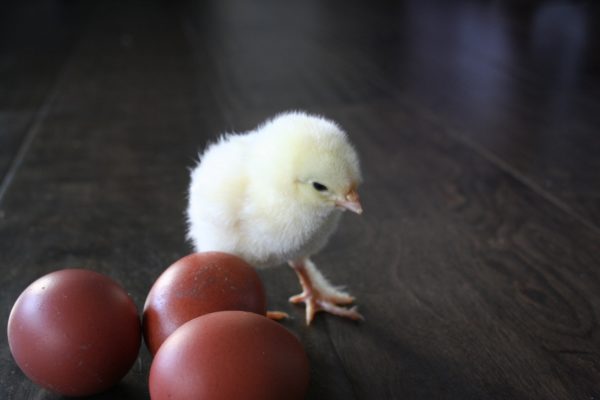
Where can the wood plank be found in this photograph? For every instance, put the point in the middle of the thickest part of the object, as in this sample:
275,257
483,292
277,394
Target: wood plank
518,82
528,100
472,285
35,39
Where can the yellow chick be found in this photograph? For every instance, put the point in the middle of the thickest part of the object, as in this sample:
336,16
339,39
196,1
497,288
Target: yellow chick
275,195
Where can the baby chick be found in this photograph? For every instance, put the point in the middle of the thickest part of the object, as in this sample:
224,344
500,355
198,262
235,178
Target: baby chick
276,194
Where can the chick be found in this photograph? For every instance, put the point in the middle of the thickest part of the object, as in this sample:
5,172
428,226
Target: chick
275,195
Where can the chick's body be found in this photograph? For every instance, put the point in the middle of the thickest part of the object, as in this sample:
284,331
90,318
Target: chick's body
275,194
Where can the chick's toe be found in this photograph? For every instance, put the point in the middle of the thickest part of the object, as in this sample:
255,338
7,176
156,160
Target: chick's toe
319,295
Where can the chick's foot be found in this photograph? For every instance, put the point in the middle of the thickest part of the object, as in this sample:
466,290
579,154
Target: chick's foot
277,315
319,295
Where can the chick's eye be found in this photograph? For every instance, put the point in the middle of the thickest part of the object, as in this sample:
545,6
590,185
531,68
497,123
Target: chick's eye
319,186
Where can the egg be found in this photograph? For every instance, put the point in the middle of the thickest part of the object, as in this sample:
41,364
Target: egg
75,332
198,284
230,355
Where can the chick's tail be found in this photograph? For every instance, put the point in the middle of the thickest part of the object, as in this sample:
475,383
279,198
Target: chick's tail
319,295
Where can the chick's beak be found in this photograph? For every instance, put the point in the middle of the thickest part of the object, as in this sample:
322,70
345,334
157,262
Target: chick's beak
350,202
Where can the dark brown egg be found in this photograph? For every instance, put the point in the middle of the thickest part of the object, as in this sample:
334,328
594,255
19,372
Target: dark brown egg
230,355
199,284
75,332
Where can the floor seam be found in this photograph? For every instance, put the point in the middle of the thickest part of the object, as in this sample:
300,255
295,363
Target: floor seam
30,135
36,124
528,182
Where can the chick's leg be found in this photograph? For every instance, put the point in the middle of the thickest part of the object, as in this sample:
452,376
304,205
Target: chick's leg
318,294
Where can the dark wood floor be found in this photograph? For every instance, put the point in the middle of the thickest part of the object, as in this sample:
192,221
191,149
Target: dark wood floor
477,260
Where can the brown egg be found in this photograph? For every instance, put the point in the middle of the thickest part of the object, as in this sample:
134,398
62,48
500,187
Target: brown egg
199,284
75,332
230,355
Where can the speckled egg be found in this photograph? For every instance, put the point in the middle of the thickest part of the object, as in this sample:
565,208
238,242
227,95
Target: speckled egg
199,284
75,332
230,355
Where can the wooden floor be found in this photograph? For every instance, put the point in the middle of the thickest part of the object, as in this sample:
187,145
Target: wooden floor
477,260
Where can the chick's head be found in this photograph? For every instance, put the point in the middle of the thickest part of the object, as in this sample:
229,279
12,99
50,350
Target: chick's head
312,160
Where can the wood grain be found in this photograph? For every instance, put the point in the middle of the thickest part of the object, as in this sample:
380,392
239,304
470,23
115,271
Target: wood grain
480,280
30,61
